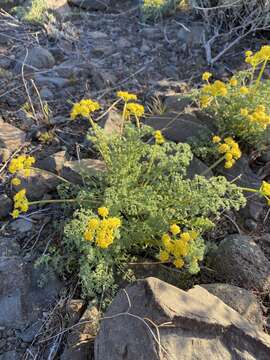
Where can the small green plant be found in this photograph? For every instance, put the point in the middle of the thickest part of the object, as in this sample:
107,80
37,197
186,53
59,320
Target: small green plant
156,9
241,107
35,12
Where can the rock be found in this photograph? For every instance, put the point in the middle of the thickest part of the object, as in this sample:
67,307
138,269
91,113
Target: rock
46,94
247,179
22,300
22,226
177,103
197,167
192,37
113,123
10,136
4,154
28,335
91,4
10,355
9,247
75,171
37,184
101,79
250,224
53,163
9,4
178,128
51,80
241,300
38,58
6,206
195,324
240,260
79,340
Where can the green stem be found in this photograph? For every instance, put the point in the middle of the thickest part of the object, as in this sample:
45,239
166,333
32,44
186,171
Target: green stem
52,201
56,201
249,189
137,122
216,163
123,117
261,73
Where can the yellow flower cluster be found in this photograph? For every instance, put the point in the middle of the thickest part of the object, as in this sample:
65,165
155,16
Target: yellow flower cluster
229,148
206,76
175,246
21,163
134,109
84,108
265,191
258,115
259,57
102,231
159,138
244,90
218,88
211,91
126,96
20,203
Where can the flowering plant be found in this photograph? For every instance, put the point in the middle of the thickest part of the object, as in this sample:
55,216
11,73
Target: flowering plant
241,106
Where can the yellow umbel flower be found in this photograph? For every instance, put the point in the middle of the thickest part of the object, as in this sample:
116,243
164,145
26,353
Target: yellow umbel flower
84,108
180,248
231,151
206,76
175,229
233,82
244,112
216,139
126,96
179,263
93,223
104,231
248,53
159,137
21,203
103,212
205,101
16,181
265,189
223,148
134,109
163,255
185,237
263,55
22,162
244,90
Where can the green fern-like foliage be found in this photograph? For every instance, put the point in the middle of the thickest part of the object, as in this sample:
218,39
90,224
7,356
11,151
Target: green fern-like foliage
145,185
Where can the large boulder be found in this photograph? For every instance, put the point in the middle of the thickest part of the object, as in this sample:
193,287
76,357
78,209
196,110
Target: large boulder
241,300
153,320
239,260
